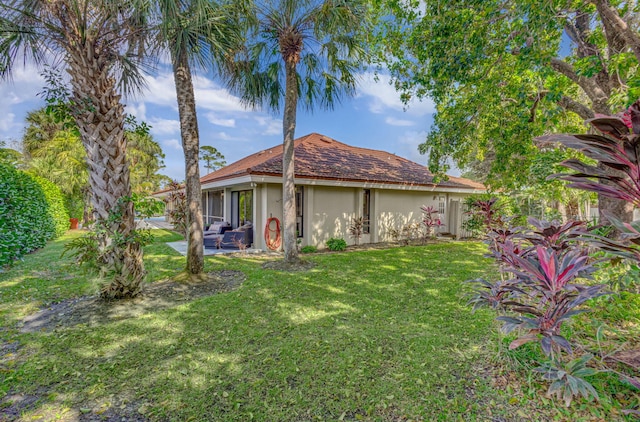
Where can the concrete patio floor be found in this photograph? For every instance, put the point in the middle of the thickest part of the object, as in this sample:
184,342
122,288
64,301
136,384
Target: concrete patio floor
181,247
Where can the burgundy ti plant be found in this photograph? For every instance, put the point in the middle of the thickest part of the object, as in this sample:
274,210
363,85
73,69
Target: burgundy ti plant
430,219
539,292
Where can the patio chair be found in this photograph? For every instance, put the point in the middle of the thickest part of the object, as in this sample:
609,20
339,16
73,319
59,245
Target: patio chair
232,239
214,234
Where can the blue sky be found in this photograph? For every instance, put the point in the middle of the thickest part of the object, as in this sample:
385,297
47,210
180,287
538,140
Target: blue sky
375,118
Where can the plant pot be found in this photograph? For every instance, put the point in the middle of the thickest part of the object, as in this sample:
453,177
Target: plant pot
74,223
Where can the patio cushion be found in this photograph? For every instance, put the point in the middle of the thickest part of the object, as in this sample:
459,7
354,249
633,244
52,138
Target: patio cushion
218,227
232,238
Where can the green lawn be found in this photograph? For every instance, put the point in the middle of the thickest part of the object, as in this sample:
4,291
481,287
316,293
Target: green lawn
373,335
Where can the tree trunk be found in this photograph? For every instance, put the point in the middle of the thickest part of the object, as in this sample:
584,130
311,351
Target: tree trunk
100,119
288,164
191,146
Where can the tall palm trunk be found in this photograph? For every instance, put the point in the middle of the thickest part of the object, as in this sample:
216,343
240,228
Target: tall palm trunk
100,118
288,163
191,146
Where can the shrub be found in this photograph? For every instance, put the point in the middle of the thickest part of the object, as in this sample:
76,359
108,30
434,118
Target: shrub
25,221
335,244
356,228
431,221
57,209
538,293
179,210
309,249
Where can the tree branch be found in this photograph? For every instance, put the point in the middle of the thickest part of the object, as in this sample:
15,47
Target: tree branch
580,109
598,97
611,14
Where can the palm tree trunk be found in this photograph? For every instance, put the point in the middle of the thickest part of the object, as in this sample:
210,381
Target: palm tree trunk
100,118
191,146
288,164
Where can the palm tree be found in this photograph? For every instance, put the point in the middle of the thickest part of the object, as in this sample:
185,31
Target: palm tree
98,42
303,49
200,33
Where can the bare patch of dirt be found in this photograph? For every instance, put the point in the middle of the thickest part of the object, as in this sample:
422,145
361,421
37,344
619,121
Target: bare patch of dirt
282,265
92,310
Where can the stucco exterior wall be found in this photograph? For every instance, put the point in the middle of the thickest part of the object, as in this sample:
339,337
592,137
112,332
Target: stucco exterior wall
328,211
395,209
333,210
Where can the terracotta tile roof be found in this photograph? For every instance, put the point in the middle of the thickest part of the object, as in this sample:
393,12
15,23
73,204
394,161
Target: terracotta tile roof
320,157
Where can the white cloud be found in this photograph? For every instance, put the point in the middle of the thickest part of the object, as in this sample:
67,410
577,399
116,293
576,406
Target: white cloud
383,96
160,126
407,144
19,91
139,110
398,122
172,143
160,90
214,119
210,96
271,126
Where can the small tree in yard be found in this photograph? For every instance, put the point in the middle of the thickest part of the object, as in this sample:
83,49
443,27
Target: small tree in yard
356,229
177,207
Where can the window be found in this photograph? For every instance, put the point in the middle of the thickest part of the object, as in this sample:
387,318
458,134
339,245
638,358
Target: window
241,207
299,211
366,211
441,205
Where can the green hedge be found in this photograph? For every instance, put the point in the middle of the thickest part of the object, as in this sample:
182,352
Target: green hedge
27,219
56,201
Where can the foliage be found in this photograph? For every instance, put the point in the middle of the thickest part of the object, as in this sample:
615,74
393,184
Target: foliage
90,249
336,244
502,72
356,228
26,222
568,379
55,205
299,53
309,249
212,157
538,292
145,157
9,156
621,275
616,149
176,204
147,206
430,220
338,330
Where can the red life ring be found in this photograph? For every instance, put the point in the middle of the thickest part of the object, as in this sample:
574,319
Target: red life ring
273,242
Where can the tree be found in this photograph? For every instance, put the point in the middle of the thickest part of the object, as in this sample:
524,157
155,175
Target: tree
302,50
98,43
54,151
200,33
501,73
9,156
212,157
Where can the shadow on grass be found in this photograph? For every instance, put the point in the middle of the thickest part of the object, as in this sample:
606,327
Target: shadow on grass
375,335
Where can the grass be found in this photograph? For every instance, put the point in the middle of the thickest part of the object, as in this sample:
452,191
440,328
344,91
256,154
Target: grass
380,335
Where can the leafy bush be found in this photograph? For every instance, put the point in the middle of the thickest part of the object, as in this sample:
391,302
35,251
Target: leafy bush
57,209
431,221
177,203
309,249
538,292
356,228
25,220
335,244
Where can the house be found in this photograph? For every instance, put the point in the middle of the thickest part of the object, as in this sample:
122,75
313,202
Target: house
335,183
